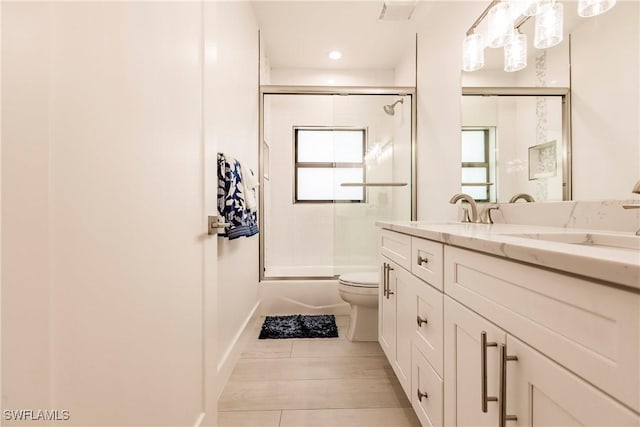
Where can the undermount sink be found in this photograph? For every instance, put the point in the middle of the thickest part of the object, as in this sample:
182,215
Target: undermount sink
603,240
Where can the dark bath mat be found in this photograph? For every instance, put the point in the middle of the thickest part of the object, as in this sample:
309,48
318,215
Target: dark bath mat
299,326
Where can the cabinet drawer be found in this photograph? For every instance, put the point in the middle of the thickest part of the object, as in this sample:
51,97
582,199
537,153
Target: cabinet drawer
426,261
426,380
396,247
428,335
588,327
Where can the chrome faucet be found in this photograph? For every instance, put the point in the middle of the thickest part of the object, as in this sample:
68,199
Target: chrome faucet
523,196
485,216
472,203
635,190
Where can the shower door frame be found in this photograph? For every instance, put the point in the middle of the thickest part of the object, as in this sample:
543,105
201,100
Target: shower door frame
327,90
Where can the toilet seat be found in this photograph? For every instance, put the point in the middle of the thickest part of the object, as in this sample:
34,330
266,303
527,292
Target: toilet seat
367,279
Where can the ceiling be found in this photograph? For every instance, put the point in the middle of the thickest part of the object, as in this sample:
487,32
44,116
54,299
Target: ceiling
300,34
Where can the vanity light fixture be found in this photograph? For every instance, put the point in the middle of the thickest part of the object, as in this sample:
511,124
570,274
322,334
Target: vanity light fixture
473,52
523,7
335,55
589,8
515,52
505,17
500,25
534,7
548,28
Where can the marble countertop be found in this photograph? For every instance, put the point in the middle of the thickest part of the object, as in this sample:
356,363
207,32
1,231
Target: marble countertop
616,265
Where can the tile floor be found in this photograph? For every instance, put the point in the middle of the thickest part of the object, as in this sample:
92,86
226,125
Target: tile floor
321,382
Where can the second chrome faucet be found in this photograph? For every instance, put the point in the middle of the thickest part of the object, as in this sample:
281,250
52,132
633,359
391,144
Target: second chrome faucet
474,207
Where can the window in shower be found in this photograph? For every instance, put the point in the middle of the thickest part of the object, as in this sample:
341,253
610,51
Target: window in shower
325,159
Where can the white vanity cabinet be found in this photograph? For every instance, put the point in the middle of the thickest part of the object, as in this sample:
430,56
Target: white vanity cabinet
395,321
410,312
507,343
505,371
590,328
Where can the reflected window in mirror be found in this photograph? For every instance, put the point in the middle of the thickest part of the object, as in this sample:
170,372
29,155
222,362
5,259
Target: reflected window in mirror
478,163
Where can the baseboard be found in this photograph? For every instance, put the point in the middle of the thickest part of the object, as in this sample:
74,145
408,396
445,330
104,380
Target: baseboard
232,355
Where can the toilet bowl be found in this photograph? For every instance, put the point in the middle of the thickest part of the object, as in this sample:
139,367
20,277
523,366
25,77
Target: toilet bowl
360,290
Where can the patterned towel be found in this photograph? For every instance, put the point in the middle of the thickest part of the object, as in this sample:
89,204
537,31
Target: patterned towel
231,200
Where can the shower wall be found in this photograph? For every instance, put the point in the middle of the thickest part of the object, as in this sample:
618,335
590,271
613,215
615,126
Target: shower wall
324,239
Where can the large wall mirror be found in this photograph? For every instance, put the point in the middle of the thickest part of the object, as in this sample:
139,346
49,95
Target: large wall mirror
516,140
574,132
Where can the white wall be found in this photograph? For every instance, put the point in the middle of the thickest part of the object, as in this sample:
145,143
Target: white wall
335,77
404,73
605,100
439,111
234,119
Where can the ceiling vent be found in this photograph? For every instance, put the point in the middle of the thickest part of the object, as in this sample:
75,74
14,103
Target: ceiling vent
397,10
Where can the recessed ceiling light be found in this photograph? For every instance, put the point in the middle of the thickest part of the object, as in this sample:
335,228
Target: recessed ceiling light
335,54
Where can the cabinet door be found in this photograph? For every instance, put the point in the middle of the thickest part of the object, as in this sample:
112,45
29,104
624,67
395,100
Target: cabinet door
463,367
386,314
395,319
402,283
542,393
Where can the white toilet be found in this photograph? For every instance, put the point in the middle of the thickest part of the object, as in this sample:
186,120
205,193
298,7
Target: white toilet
361,291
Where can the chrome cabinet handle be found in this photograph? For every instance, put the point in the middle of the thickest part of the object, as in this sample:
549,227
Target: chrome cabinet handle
420,321
422,260
504,358
389,292
384,279
421,395
483,370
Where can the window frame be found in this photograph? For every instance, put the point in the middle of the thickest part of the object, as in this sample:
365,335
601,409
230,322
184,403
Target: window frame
325,165
486,164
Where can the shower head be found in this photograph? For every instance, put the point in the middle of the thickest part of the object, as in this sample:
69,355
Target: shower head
391,109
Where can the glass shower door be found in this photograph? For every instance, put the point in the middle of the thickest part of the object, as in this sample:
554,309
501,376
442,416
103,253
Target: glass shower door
387,171
315,226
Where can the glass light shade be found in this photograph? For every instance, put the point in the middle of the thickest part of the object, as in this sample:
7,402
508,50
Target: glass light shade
519,7
499,26
548,32
473,52
515,53
589,8
534,7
